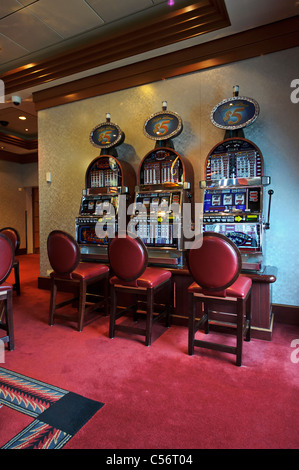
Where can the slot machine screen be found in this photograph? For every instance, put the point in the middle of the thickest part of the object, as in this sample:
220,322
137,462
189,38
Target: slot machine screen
245,236
87,236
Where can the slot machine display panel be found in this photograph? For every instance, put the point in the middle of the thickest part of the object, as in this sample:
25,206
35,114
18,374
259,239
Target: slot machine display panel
165,183
233,197
106,179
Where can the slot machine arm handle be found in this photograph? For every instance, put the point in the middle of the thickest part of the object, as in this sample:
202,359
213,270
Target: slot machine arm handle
267,224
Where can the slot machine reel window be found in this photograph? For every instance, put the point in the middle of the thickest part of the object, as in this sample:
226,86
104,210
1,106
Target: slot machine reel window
162,166
157,218
105,172
87,206
93,205
227,200
238,158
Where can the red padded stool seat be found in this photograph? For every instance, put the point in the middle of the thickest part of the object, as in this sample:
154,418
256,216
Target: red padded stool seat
238,289
215,264
85,271
128,261
70,274
14,237
6,289
151,277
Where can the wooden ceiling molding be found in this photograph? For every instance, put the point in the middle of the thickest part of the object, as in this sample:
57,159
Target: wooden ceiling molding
26,144
251,43
173,26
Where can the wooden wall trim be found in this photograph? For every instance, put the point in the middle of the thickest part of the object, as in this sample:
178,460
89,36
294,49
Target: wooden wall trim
251,43
287,314
21,158
179,23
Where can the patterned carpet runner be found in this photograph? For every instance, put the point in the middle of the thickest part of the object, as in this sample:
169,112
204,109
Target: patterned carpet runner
57,414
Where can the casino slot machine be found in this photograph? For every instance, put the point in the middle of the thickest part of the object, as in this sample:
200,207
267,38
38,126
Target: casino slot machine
109,188
235,183
165,183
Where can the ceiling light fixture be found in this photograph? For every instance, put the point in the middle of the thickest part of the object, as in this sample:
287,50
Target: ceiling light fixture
23,118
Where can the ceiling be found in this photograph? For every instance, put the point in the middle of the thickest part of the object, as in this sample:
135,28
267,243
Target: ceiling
32,31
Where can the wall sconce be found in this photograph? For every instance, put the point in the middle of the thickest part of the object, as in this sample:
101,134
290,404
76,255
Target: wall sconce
49,177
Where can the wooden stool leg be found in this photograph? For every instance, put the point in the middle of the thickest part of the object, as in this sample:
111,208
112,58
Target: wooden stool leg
192,309
206,313
82,303
17,278
9,321
149,317
52,302
240,322
170,304
106,295
113,303
248,318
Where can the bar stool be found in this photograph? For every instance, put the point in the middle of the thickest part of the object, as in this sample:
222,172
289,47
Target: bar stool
14,237
71,274
128,259
6,264
214,262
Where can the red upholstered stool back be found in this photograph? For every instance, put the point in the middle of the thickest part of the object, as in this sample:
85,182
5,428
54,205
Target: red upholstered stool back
128,260
6,257
63,252
128,257
74,276
214,262
219,295
13,235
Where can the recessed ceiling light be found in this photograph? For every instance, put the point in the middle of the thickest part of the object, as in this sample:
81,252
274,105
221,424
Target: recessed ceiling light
23,118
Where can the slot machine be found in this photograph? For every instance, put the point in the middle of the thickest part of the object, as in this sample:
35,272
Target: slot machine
165,183
109,188
235,181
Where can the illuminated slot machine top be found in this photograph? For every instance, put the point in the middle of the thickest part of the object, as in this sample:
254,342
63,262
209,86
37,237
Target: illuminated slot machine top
165,182
106,179
233,185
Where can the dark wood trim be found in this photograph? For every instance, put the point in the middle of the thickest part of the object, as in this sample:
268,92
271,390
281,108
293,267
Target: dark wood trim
252,43
288,314
18,158
179,23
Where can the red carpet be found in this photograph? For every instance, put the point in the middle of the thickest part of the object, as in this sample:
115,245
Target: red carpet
156,397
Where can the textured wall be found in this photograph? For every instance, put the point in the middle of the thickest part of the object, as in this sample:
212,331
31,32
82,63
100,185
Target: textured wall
65,150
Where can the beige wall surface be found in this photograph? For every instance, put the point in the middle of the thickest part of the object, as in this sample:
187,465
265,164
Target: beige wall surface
65,149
